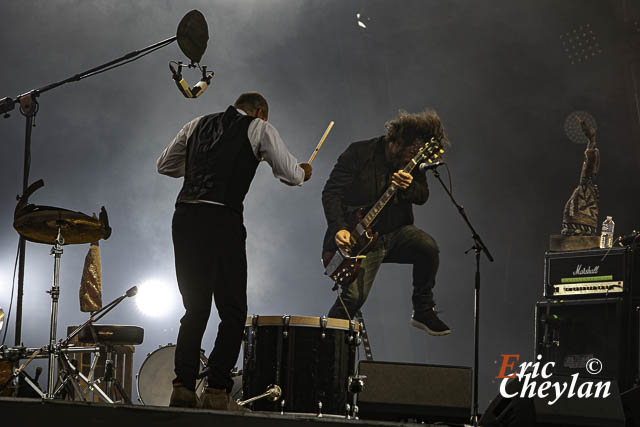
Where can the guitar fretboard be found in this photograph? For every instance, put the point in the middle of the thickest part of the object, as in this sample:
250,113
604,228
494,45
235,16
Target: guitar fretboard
388,195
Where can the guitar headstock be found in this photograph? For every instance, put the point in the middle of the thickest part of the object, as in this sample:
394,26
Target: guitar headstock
431,151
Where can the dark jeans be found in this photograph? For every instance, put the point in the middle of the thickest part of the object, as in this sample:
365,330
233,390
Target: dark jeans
211,262
407,245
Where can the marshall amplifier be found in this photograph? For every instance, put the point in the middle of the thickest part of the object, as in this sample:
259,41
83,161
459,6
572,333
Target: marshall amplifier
593,273
571,333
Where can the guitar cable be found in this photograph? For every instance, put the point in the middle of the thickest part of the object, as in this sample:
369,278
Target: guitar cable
342,302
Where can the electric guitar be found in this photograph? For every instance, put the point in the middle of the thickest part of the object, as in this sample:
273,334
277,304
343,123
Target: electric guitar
343,265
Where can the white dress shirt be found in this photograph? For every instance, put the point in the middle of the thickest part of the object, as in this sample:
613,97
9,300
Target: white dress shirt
265,142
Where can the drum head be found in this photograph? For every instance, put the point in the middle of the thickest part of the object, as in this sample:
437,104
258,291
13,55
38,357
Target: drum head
154,381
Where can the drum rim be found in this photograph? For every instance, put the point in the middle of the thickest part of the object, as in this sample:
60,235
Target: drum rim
308,321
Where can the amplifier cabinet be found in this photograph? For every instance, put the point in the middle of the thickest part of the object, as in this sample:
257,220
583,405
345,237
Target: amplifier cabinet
401,391
592,273
571,332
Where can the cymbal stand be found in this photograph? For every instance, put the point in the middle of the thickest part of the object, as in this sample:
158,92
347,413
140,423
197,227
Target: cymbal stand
56,251
69,373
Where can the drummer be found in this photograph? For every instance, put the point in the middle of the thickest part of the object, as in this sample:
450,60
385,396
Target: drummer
218,154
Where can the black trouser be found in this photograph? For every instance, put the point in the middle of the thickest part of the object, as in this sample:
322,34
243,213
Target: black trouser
210,255
407,245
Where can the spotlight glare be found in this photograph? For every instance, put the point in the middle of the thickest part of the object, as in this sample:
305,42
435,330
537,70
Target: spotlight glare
155,298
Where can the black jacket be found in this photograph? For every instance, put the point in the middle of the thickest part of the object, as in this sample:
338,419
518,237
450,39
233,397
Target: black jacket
358,179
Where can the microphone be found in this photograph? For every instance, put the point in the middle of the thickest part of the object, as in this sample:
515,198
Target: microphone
428,166
183,86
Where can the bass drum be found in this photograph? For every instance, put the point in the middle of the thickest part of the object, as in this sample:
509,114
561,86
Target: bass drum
154,380
310,358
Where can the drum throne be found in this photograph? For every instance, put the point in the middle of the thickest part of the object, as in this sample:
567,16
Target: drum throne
112,367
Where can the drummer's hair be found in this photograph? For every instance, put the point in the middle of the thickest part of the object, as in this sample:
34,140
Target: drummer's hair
409,128
249,102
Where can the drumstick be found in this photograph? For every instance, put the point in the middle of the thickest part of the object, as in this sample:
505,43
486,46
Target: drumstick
326,132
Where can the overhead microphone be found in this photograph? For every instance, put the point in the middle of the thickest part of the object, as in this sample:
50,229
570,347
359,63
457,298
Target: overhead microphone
192,36
428,166
183,86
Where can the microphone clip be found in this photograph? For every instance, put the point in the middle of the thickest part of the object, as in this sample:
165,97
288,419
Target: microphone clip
183,86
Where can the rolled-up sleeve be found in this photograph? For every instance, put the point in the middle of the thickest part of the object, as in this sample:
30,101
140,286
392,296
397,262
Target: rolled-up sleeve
172,160
268,146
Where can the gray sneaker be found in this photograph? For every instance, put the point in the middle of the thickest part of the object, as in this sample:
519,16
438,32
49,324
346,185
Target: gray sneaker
429,321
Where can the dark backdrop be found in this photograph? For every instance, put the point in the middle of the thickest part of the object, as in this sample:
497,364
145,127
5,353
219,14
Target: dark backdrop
496,71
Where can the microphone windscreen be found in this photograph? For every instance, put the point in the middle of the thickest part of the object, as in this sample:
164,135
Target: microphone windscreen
192,35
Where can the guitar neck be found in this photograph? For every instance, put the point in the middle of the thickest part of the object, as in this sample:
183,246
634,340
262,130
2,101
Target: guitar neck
373,213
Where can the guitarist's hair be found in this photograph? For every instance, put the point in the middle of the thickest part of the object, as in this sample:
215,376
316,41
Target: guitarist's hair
409,128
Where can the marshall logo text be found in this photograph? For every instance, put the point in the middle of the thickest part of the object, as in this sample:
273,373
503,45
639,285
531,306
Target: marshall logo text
583,271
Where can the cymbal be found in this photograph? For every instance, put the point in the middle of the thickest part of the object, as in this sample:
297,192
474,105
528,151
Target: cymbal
40,224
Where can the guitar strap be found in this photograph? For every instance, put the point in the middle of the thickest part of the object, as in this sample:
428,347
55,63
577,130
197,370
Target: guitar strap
365,337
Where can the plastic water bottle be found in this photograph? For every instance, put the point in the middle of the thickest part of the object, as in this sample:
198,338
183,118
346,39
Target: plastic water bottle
606,236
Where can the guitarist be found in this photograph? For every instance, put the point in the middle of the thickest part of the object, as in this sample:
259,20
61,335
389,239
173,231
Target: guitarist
363,172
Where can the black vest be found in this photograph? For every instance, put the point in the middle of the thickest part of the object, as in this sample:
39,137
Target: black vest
220,163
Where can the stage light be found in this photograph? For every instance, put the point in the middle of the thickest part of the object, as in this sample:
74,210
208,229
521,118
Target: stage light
155,298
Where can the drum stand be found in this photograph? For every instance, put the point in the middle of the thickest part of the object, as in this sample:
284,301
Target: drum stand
69,373
56,251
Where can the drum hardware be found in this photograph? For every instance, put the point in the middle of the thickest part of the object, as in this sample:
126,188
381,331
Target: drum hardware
44,224
355,385
111,383
319,409
286,319
273,393
254,323
69,376
323,325
282,407
347,411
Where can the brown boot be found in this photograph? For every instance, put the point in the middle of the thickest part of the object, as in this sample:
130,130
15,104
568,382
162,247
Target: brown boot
219,399
182,397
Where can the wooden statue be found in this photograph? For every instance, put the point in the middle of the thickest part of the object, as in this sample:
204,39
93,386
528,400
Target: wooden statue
580,216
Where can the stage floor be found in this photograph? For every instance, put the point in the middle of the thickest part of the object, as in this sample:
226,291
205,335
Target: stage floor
69,414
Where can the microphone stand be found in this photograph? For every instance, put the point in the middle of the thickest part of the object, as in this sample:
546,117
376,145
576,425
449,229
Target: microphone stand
478,248
29,107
